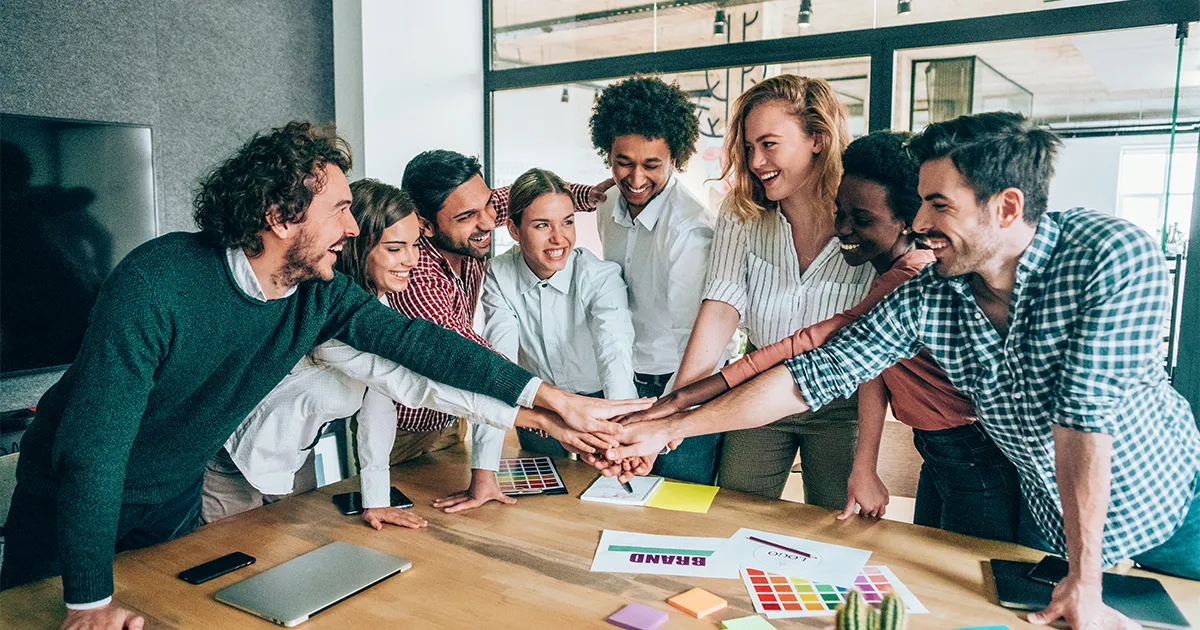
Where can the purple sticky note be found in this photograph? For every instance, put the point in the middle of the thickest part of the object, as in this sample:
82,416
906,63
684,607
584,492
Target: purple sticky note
638,617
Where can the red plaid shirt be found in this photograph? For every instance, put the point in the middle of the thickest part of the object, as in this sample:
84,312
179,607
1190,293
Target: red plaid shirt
436,293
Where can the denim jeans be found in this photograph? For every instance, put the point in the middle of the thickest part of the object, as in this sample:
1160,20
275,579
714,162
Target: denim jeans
31,532
696,458
1179,555
966,486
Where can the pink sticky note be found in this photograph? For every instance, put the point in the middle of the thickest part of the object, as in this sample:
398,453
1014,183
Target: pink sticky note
638,617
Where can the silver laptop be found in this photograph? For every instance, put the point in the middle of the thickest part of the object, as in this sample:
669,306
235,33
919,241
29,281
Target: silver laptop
294,591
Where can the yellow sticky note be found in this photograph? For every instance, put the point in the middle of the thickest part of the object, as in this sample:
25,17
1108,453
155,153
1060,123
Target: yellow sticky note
683,497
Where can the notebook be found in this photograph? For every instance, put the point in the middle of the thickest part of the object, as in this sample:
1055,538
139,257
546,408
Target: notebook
301,587
1142,599
609,490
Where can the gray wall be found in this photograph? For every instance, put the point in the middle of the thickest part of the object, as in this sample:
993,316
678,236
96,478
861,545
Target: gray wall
204,75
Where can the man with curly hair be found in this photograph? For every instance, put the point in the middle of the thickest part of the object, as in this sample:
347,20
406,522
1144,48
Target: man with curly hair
660,234
188,334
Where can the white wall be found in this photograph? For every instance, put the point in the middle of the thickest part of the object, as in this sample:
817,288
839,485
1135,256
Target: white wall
421,80
1086,172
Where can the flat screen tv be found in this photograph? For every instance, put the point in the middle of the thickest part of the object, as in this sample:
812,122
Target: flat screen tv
75,197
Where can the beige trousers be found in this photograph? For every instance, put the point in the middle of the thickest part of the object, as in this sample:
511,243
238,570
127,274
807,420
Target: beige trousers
227,492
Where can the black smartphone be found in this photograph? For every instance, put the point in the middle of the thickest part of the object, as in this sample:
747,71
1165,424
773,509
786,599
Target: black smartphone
1051,570
351,502
216,568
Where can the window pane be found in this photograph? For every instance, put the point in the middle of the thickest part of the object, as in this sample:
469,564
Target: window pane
1143,172
1146,212
1183,166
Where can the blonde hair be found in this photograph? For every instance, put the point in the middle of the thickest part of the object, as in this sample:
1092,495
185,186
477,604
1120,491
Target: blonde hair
528,187
814,103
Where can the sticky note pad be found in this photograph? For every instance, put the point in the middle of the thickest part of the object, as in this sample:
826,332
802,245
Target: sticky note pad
638,617
697,602
753,622
683,497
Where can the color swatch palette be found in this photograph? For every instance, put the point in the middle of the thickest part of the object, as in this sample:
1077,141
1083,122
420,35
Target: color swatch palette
779,596
529,475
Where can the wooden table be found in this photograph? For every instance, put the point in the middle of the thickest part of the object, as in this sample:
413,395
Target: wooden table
526,566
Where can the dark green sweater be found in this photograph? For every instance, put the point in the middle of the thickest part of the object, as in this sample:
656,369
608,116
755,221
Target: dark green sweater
175,356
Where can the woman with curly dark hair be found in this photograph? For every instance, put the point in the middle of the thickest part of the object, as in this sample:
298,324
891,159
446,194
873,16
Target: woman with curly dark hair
659,232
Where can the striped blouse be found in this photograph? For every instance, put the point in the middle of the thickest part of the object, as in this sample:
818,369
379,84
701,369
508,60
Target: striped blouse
754,269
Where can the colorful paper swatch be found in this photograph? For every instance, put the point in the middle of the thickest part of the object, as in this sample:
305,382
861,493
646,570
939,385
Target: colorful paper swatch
683,497
638,617
697,602
779,596
529,475
753,622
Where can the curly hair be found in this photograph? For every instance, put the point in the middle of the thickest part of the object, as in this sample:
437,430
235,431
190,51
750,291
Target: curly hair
814,103
278,171
648,107
995,151
376,206
882,157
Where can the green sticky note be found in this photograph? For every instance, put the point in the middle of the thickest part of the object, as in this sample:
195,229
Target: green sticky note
683,497
753,622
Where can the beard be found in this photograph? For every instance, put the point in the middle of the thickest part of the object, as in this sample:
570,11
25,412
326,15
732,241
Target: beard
300,261
461,248
969,258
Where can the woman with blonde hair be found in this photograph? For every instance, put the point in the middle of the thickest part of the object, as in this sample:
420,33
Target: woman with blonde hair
775,268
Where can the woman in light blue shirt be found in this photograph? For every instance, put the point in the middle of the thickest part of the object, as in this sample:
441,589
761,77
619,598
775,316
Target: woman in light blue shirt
559,312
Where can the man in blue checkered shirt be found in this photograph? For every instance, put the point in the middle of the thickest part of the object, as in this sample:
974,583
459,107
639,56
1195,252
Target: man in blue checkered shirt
1052,323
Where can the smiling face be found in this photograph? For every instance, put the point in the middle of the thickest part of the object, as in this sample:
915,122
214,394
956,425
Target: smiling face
778,150
466,220
962,232
546,233
393,258
865,223
641,167
319,238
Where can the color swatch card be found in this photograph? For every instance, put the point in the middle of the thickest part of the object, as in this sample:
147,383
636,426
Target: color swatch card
609,490
683,497
795,557
631,552
779,596
529,475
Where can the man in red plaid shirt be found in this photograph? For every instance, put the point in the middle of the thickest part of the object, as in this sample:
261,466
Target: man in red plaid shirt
458,214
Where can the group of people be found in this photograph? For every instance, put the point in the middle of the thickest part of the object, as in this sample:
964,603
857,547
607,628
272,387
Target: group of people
922,273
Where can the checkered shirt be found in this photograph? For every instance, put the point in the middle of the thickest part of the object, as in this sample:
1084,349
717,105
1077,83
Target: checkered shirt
436,293
1084,351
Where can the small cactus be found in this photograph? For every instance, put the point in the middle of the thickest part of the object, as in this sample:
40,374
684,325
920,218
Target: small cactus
856,614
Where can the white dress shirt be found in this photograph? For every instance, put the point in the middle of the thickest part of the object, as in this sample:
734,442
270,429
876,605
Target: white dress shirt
572,329
755,269
663,254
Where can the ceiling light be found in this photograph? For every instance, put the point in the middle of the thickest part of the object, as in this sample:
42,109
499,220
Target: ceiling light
719,22
903,7
805,17
566,97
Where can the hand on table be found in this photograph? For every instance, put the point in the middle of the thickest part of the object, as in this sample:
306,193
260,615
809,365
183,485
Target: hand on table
866,490
1080,605
484,487
103,618
376,517
600,191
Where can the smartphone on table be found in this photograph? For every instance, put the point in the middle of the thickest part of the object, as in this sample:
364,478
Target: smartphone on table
1051,570
351,502
213,569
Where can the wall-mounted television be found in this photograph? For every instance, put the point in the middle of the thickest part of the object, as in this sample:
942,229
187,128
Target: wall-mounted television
75,197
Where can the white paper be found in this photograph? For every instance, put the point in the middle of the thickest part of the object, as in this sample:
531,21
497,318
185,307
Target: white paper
796,557
609,490
631,552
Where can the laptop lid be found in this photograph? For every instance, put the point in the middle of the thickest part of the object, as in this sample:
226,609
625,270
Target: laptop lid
1143,600
299,588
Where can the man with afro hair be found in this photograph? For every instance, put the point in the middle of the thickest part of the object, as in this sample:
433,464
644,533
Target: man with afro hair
660,234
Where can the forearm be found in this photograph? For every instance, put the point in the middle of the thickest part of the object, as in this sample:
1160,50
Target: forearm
872,412
1083,468
759,402
486,446
714,327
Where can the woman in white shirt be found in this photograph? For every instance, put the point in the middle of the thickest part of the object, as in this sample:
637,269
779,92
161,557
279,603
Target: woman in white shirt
559,312
775,268
260,461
